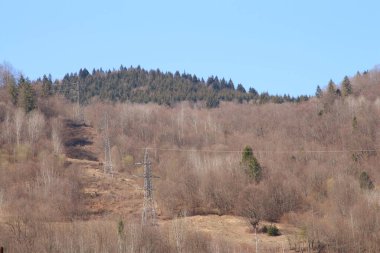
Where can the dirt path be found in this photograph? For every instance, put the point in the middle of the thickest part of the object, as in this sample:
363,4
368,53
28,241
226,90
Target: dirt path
103,195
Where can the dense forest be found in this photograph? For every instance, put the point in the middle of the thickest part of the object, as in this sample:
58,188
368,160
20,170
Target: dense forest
137,85
305,175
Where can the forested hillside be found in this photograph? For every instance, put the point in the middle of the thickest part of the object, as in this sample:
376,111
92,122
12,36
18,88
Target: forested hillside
141,86
309,169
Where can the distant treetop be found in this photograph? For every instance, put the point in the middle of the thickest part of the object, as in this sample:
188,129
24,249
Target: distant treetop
138,85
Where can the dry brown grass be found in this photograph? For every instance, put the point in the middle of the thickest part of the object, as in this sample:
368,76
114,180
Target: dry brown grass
235,230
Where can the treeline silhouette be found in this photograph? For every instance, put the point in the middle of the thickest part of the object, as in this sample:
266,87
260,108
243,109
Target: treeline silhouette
137,85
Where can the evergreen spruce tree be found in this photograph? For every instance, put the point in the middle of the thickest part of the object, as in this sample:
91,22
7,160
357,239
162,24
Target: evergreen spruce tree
331,87
47,85
251,165
223,84
253,91
318,92
230,85
212,101
247,154
241,88
27,96
10,82
346,87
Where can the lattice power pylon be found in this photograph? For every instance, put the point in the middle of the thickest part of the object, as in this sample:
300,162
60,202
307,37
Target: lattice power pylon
149,210
107,166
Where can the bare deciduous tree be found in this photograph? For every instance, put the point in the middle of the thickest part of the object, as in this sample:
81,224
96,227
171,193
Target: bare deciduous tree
36,123
7,126
18,122
178,233
55,137
1,198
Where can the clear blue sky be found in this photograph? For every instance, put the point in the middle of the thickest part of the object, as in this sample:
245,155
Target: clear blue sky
276,46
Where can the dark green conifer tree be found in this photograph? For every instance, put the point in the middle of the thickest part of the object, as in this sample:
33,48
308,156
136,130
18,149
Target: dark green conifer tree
318,92
250,164
27,96
240,88
47,86
253,91
331,88
10,83
346,87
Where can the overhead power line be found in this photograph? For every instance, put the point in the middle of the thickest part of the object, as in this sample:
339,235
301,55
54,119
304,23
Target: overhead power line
260,151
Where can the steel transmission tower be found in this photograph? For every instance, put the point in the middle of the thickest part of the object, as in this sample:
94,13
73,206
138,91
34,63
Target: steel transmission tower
107,167
149,210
